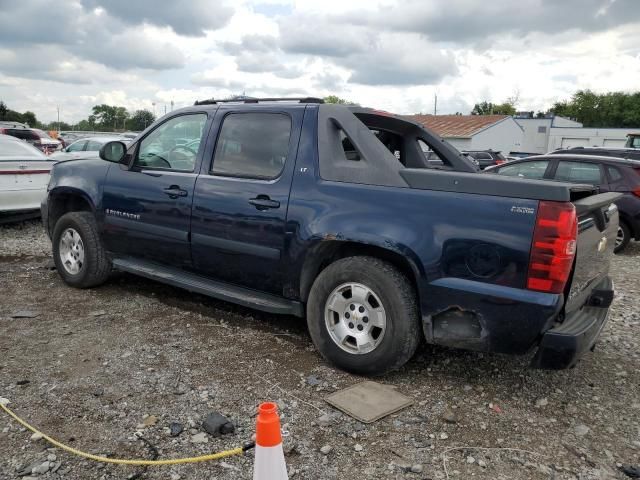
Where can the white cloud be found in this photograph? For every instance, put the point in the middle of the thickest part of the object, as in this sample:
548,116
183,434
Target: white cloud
380,53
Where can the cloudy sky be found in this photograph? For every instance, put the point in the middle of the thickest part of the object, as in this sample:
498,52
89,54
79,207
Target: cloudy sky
379,53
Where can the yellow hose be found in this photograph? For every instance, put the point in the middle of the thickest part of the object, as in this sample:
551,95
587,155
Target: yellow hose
121,461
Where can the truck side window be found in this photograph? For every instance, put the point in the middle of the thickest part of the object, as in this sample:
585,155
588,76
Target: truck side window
174,144
252,145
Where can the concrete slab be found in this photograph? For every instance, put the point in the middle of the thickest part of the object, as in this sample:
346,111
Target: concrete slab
368,401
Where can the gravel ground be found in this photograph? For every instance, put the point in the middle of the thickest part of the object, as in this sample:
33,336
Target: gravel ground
96,366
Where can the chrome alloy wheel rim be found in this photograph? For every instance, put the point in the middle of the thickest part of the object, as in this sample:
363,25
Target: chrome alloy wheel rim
71,251
619,237
355,318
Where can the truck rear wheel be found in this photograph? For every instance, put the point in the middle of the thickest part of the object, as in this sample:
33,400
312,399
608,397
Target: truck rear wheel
622,237
363,317
78,252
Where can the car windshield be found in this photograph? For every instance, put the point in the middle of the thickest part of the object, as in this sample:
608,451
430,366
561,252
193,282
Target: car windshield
10,149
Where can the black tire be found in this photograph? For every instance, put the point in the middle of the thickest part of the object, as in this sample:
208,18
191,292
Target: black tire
96,266
626,236
398,297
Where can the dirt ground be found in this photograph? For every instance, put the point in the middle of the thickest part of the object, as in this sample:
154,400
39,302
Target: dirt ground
93,364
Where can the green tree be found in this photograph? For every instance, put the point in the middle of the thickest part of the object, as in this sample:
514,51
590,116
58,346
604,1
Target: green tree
3,110
483,108
108,117
338,100
140,120
608,110
488,108
30,118
85,125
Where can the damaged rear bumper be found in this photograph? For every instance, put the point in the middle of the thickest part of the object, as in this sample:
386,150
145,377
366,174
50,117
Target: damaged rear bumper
562,346
514,321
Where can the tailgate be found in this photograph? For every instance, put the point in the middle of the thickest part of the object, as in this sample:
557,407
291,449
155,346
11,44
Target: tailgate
597,227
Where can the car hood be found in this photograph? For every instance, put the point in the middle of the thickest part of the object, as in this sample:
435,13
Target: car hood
62,156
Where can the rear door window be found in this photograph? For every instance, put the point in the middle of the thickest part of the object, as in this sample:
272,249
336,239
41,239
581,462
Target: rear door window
253,145
614,174
533,170
578,172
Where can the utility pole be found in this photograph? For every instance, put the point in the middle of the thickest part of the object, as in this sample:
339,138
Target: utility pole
58,108
165,108
435,104
172,105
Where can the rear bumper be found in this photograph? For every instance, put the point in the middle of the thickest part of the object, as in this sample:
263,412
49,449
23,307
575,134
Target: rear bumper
562,346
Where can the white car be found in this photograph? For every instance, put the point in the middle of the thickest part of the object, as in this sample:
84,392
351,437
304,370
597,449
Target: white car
85,148
24,176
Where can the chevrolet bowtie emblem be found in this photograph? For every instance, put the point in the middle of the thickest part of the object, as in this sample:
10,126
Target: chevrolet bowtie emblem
602,244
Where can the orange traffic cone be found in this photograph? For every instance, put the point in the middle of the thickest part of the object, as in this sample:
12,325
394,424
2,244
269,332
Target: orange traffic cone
269,463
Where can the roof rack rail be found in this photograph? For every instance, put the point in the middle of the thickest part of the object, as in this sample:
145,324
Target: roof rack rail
258,100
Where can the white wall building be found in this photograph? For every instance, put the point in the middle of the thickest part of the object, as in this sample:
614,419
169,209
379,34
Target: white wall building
588,137
542,135
476,132
514,134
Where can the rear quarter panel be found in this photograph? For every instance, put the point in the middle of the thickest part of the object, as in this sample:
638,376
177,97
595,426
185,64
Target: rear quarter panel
466,251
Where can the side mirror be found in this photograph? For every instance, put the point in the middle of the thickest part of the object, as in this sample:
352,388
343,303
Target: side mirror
114,151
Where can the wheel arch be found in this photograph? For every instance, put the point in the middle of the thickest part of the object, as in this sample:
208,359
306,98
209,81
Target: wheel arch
329,251
64,200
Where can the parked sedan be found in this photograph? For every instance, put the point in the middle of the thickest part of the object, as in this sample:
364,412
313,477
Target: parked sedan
24,175
486,158
611,174
83,148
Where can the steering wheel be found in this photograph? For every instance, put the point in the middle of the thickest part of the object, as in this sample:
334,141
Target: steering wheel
181,156
156,161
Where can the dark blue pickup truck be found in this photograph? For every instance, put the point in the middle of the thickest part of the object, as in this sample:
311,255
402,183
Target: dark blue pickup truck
335,213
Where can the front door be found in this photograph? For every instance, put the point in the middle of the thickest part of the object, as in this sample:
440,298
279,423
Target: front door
147,208
241,197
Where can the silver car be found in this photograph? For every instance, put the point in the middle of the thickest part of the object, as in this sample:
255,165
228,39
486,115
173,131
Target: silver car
84,148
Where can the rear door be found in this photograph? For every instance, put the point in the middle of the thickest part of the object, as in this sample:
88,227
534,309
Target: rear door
147,208
241,196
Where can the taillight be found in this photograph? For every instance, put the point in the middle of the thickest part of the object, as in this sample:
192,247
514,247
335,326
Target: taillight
499,161
3,130
553,248
636,191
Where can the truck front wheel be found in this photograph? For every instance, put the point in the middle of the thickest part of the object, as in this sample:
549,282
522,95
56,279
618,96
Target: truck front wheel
363,317
78,252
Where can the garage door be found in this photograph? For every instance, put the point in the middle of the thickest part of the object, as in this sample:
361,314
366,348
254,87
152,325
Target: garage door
574,142
614,142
